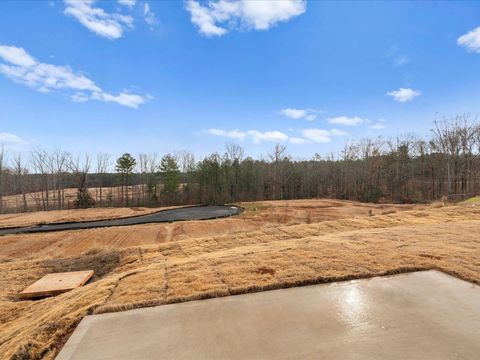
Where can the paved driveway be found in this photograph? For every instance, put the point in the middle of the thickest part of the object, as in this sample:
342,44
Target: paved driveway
179,214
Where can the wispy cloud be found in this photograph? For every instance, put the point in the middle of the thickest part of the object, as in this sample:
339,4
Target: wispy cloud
404,94
471,40
292,113
395,54
321,135
298,141
232,134
129,3
149,15
254,135
346,121
97,20
12,142
216,18
258,136
317,135
401,60
23,68
378,125
307,136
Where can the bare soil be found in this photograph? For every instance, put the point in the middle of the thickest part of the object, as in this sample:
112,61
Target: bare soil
271,245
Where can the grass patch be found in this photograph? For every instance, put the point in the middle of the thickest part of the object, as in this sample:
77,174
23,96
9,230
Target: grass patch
472,200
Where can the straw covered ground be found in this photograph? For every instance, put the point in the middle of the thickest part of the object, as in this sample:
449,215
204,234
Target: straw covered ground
271,245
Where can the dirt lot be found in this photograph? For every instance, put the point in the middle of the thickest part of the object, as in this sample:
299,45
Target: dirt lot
271,245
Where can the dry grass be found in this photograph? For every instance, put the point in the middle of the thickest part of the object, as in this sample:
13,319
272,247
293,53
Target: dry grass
58,216
266,248
70,194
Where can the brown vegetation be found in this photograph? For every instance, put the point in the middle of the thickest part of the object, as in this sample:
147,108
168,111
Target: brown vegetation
271,245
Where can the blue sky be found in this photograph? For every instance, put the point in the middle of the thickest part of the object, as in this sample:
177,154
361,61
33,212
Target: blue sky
145,76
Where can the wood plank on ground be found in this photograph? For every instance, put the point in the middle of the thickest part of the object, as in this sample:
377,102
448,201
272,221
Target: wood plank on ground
56,283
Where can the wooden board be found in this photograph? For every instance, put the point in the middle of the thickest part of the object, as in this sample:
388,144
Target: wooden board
56,283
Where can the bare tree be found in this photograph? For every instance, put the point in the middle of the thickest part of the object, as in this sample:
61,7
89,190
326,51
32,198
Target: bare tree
276,157
234,154
152,167
3,159
103,162
186,161
40,162
80,169
20,172
57,164
452,138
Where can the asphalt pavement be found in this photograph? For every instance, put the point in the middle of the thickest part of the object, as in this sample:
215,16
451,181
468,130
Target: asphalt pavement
179,214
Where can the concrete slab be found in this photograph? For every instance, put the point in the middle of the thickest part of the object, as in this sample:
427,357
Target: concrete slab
422,315
56,283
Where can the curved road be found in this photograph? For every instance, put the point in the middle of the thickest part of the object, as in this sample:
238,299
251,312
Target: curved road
180,214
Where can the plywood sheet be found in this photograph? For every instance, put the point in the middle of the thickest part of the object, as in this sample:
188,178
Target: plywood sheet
56,283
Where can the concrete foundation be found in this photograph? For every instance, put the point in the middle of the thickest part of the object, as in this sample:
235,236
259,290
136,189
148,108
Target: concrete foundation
422,315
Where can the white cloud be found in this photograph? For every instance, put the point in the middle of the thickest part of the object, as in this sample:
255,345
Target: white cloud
404,95
129,3
258,136
97,20
317,135
292,113
124,98
12,139
216,18
298,141
22,68
336,132
233,134
255,135
204,19
470,40
379,125
346,121
150,17
13,142
16,56
307,135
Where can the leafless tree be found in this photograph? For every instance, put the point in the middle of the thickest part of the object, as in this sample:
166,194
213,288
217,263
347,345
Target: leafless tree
3,159
40,162
80,169
276,157
57,164
103,162
20,172
186,161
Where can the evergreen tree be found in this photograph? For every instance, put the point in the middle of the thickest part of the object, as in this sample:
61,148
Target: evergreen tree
170,175
125,165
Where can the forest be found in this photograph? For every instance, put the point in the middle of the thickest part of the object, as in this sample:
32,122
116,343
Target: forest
403,169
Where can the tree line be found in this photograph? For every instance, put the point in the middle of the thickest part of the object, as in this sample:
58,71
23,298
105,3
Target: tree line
403,169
